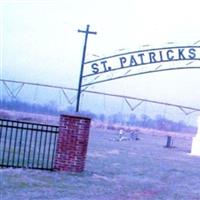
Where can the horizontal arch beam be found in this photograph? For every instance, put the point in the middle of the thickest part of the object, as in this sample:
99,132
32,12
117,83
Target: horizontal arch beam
136,59
140,51
140,73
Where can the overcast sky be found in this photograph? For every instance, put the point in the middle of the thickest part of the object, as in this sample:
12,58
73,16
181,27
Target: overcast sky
40,42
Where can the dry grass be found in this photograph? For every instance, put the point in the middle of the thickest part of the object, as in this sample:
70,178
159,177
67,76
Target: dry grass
127,170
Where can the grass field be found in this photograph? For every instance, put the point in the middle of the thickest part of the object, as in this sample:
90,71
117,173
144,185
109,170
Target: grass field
126,170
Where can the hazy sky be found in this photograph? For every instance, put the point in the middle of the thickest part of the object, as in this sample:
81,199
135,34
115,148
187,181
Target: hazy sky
40,43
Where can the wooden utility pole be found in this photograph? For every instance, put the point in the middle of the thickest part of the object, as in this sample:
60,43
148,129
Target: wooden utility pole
86,32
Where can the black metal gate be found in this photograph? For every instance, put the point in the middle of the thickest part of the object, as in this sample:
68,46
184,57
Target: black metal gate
27,145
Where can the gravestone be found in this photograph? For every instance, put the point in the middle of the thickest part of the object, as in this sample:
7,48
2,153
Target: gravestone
169,142
196,140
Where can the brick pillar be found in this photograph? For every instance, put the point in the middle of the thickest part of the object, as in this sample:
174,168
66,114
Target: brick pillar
72,143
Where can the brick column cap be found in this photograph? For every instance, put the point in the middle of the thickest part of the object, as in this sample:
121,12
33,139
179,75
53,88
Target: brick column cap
76,115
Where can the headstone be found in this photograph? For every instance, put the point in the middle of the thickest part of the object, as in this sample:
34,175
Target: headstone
196,140
121,134
169,142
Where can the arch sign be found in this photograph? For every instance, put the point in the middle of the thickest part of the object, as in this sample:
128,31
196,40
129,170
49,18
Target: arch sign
134,63
140,62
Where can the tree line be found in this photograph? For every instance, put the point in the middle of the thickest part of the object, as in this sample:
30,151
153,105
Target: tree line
159,122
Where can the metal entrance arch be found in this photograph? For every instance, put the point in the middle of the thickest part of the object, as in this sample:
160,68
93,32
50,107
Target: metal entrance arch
140,62
135,63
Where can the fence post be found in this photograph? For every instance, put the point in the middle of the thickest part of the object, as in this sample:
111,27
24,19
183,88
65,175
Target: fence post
72,143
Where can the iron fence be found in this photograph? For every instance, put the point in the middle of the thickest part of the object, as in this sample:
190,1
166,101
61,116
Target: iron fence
27,145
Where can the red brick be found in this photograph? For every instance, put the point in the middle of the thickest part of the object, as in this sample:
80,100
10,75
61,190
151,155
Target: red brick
72,143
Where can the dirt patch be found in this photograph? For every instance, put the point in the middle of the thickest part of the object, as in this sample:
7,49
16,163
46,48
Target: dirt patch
96,154
114,152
